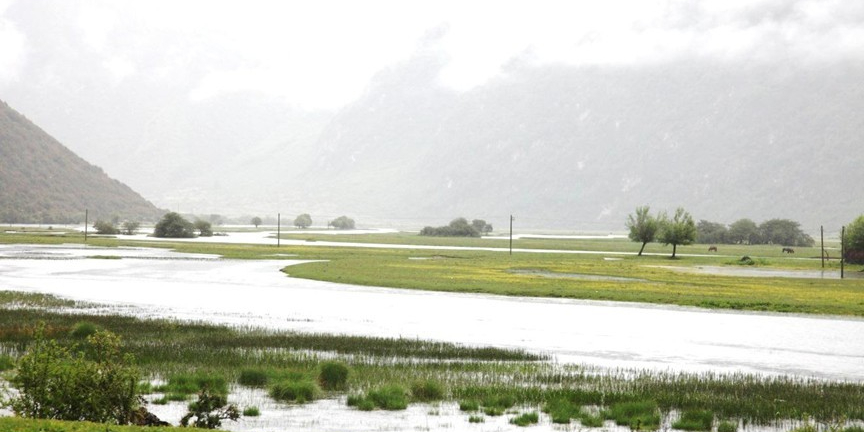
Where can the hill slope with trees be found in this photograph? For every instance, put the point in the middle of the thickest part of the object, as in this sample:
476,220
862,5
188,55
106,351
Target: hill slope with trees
41,181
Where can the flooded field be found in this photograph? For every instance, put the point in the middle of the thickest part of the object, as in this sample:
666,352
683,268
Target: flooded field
157,283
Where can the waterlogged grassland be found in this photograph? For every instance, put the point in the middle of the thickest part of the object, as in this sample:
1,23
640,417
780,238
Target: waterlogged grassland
491,380
528,275
522,274
16,424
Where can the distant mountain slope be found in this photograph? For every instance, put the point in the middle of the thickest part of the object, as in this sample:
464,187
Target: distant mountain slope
41,181
581,147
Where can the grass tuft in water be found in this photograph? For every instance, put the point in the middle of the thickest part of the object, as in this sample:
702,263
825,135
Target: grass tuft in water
728,426
190,383
392,398
698,420
333,375
639,415
476,419
295,391
251,412
253,377
427,391
526,419
82,329
469,405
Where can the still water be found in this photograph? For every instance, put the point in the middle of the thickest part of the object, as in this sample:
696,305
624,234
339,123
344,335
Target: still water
159,283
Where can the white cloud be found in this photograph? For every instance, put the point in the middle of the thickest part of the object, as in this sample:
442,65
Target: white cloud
12,48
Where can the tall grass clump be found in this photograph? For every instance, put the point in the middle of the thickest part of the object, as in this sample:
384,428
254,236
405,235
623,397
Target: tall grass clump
295,391
253,377
391,397
698,420
728,426
6,363
562,411
190,383
526,419
469,405
427,391
82,329
251,412
638,415
333,375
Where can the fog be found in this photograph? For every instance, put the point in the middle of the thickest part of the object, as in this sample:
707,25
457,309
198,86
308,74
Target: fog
567,114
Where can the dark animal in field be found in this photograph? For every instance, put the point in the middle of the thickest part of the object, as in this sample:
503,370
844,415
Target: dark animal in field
712,249
788,250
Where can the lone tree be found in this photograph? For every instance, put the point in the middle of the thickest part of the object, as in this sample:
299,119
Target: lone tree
680,230
343,222
130,227
105,227
643,227
204,228
172,225
854,241
256,221
481,226
303,221
743,231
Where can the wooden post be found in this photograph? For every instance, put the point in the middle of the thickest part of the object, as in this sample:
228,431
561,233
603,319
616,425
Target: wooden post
822,236
278,229
511,234
86,222
842,250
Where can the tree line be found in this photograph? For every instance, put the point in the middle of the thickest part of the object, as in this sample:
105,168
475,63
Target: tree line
744,231
458,227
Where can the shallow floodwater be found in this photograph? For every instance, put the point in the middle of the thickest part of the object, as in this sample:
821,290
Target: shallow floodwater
157,283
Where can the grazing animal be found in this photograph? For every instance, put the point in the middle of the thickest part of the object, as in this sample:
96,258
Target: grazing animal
712,249
788,250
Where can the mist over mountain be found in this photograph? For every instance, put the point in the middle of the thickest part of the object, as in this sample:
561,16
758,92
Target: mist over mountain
41,181
581,147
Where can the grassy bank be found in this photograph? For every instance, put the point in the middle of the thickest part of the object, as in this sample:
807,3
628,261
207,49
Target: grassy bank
644,279
398,371
15,424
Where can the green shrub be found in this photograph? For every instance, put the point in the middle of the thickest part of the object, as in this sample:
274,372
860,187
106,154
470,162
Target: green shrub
82,329
97,384
469,405
333,375
695,421
526,419
391,397
251,412
209,410
6,363
295,391
728,426
638,415
427,391
253,378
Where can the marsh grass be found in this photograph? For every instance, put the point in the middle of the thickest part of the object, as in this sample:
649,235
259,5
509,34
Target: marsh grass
184,384
526,419
82,329
333,375
251,412
695,420
19,424
728,426
638,415
427,391
6,362
298,391
476,419
181,353
391,397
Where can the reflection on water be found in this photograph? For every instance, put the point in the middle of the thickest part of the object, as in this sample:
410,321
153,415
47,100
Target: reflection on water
607,334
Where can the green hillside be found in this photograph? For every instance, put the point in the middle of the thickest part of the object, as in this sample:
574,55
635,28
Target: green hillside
41,181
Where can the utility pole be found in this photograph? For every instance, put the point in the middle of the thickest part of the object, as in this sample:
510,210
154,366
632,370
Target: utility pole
86,214
842,250
511,233
822,236
278,229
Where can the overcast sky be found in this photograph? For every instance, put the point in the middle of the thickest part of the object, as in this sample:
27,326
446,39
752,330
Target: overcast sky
321,54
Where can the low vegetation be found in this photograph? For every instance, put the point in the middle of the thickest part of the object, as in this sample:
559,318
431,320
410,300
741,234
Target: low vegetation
192,357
